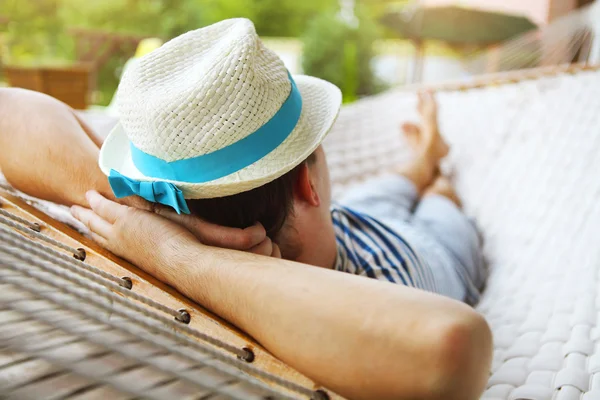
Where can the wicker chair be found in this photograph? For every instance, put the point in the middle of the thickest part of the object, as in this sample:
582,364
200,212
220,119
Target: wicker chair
69,84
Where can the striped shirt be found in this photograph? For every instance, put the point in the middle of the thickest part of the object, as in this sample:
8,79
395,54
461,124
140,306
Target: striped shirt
367,247
384,231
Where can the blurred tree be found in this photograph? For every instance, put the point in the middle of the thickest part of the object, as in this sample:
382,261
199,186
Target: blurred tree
38,30
271,17
34,34
164,18
160,18
380,6
341,53
169,18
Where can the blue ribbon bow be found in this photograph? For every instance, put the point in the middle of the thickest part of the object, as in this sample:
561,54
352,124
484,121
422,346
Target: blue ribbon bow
156,192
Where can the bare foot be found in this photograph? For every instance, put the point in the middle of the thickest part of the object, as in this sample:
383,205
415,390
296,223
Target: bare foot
427,143
443,187
426,138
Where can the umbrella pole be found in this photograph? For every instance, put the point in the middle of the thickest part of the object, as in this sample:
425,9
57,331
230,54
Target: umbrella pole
493,59
418,61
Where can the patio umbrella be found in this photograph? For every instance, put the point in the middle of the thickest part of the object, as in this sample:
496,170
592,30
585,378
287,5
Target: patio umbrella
453,24
456,24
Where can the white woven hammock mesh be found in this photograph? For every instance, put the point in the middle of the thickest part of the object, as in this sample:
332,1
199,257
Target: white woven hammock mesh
526,159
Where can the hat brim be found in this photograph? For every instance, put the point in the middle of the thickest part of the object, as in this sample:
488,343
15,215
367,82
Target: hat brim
321,102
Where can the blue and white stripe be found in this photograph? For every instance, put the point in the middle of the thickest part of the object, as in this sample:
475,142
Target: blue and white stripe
367,247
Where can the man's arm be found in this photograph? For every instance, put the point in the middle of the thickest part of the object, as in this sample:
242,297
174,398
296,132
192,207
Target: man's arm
45,151
362,338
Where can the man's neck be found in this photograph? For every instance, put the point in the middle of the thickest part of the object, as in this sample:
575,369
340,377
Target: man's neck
314,242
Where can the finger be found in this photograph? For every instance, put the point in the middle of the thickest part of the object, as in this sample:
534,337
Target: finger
265,248
138,202
255,234
217,235
410,128
194,224
276,251
99,239
234,238
90,219
108,210
188,221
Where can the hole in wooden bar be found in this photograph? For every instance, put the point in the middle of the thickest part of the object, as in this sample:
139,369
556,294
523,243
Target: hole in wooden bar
80,254
127,282
184,316
248,355
320,395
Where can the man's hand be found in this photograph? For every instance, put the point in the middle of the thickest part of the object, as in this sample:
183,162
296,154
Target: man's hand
139,231
253,239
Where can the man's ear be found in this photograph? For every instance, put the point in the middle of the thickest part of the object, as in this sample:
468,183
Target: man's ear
305,189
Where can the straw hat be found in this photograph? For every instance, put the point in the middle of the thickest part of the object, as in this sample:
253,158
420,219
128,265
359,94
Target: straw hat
214,113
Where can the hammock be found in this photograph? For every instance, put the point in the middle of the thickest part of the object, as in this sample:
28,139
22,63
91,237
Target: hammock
524,157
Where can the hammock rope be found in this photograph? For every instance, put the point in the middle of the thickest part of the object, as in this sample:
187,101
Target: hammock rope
90,286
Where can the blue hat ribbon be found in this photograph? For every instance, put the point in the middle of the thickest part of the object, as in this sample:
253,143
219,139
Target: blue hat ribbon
156,192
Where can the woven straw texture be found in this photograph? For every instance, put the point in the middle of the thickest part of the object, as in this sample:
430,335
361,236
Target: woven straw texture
202,91
208,89
525,158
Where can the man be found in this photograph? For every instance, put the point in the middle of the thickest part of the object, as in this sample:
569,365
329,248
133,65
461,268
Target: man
176,122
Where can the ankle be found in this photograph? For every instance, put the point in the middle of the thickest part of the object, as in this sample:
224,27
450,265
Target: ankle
420,173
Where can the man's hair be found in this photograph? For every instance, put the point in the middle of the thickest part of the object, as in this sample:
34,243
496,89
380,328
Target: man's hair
270,204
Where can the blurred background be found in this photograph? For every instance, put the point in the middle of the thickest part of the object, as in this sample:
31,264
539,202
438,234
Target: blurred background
76,50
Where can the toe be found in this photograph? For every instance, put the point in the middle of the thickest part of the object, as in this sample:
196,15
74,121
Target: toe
410,128
412,133
427,106
443,149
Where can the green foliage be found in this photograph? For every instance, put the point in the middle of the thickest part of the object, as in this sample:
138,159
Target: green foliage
38,32
153,18
271,17
163,18
341,54
38,27
170,18
35,34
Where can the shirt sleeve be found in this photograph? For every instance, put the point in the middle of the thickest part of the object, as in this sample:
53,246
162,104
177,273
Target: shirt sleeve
385,197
